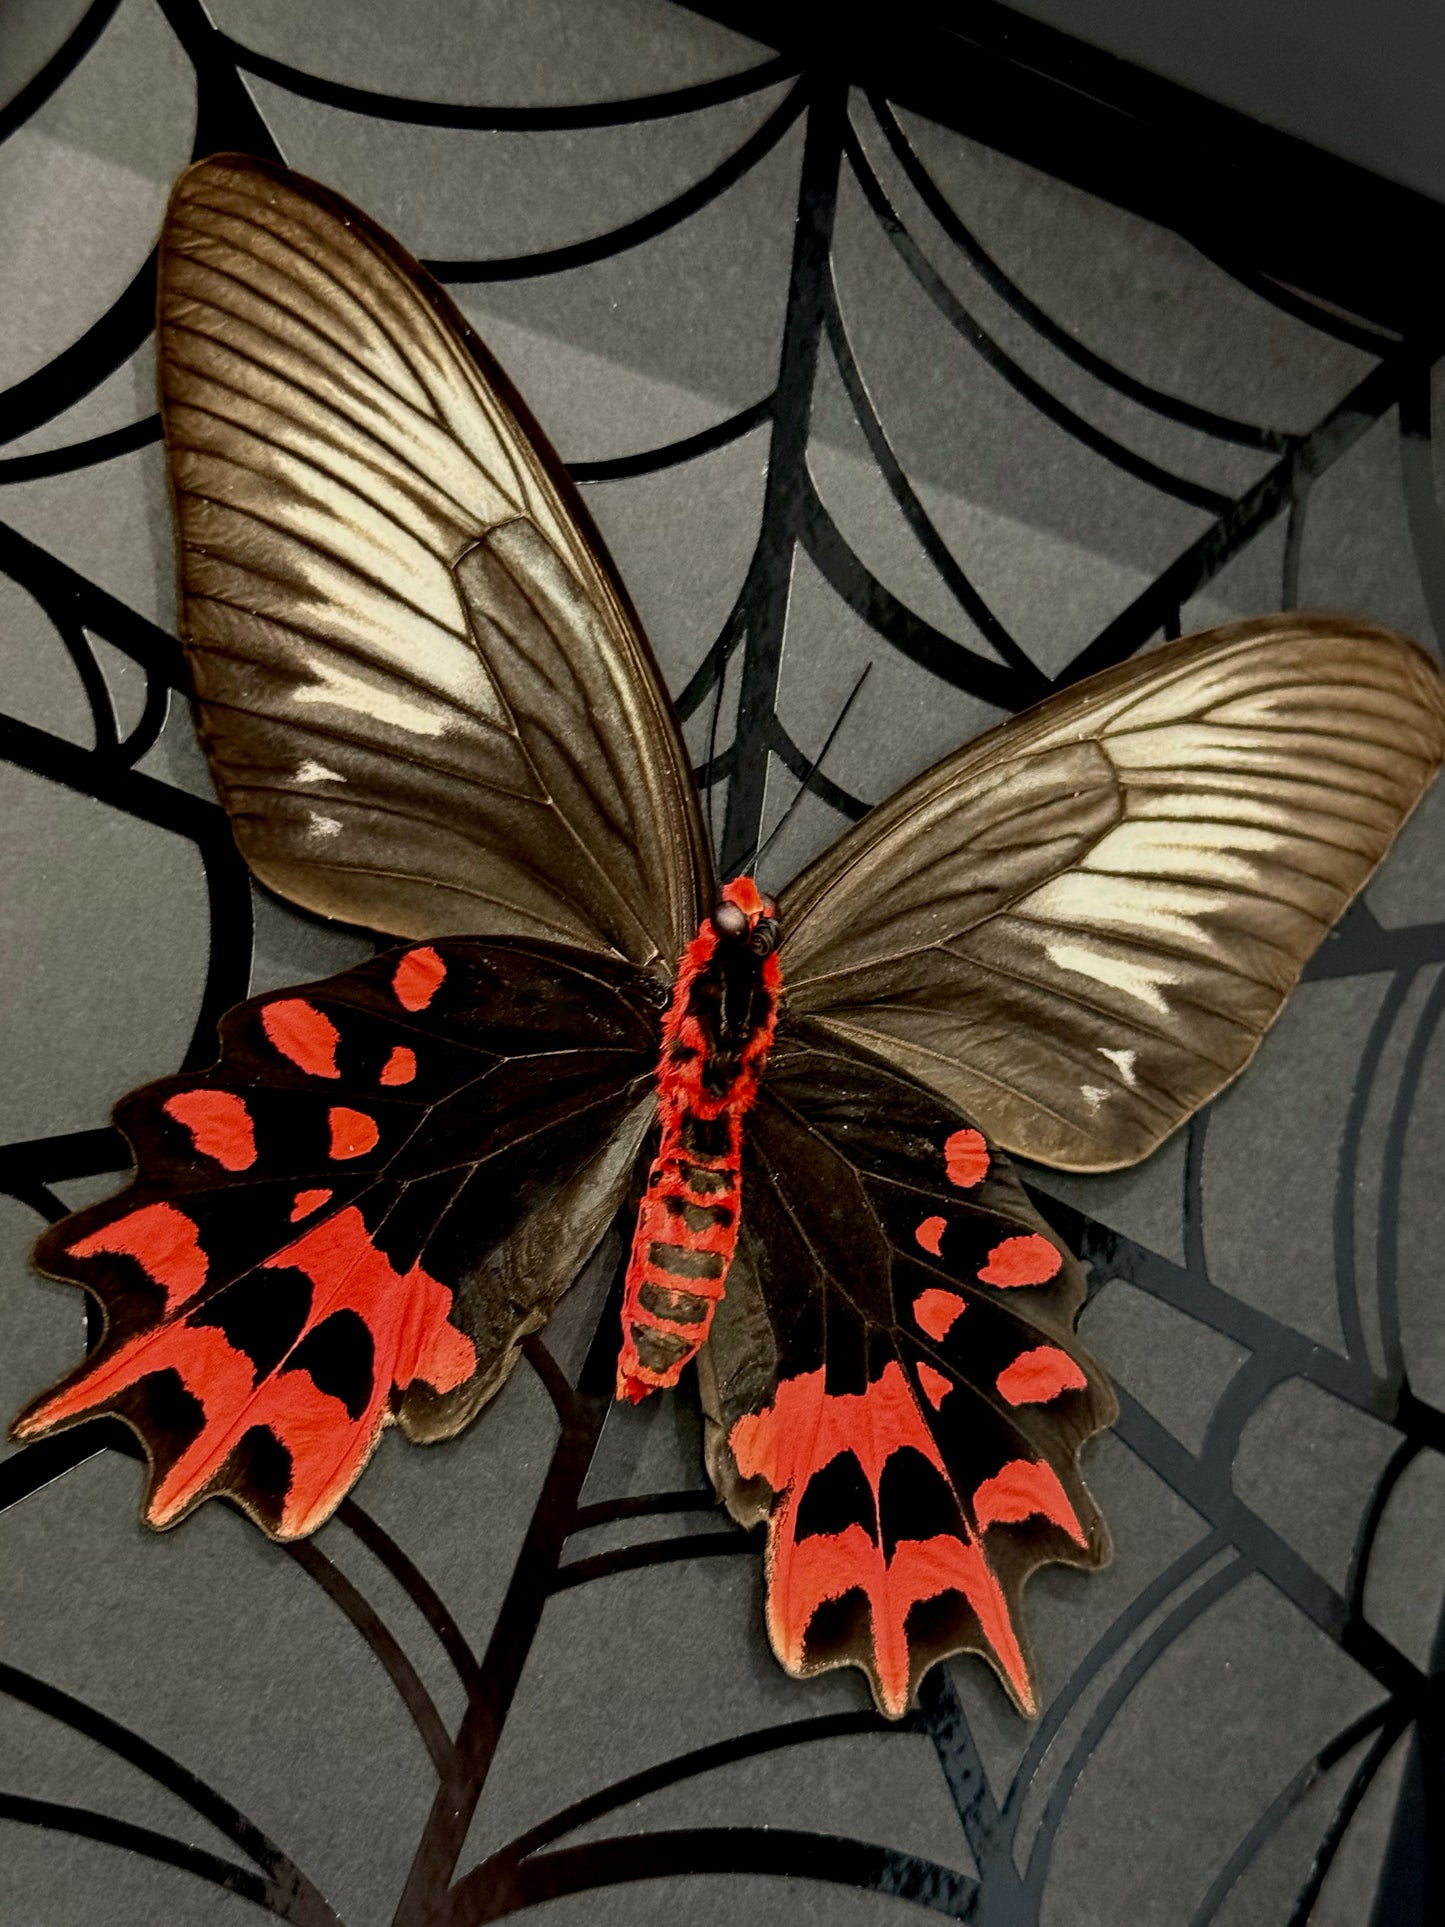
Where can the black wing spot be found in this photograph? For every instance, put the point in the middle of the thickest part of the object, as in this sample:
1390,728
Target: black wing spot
914,1500
836,1497
259,1471
841,1628
853,1358
261,1315
341,1359
134,1302
935,1625
168,1417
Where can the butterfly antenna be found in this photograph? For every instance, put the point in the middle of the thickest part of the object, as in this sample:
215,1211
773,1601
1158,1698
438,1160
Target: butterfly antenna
761,850
717,703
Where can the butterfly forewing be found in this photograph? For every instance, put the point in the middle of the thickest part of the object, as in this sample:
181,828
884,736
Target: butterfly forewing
893,1378
426,706
387,1180
1079,927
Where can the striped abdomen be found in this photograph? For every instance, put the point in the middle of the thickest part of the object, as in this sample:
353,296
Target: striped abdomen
687,1231
715,1040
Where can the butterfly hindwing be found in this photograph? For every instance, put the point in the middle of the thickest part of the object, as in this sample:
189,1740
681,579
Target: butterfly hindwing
386,1181
893,1379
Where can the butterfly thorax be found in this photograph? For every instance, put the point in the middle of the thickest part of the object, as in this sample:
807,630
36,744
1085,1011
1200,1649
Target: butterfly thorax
715,1040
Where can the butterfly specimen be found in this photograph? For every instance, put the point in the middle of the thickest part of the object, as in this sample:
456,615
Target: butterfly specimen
430,712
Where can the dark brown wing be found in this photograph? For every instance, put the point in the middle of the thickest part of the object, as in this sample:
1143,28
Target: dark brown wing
1079,927
893,1380
426,706
354,1217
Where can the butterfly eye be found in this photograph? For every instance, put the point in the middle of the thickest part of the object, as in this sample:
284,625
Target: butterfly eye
729,921
764,939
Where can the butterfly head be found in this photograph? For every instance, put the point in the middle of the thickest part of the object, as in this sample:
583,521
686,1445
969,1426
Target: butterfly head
743,915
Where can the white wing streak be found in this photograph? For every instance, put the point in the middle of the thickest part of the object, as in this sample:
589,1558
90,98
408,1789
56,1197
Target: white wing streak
1142,981
1218,852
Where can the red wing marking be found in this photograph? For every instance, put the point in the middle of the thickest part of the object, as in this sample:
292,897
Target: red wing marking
400,1067
966,1158
304,1034
307,1202
936,1387
937,1310
1023,1488
164,1243
930,1235
1037,1376
412,1338
795,1437
353,1133
1029,1260
219,1124
417,979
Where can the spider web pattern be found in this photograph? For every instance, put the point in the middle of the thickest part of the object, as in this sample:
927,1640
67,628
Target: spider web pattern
528,1667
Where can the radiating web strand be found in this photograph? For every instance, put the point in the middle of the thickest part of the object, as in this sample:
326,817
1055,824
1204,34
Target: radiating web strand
517,1623
768,588
1332,437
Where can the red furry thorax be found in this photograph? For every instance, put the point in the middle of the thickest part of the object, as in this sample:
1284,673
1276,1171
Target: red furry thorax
680,1079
